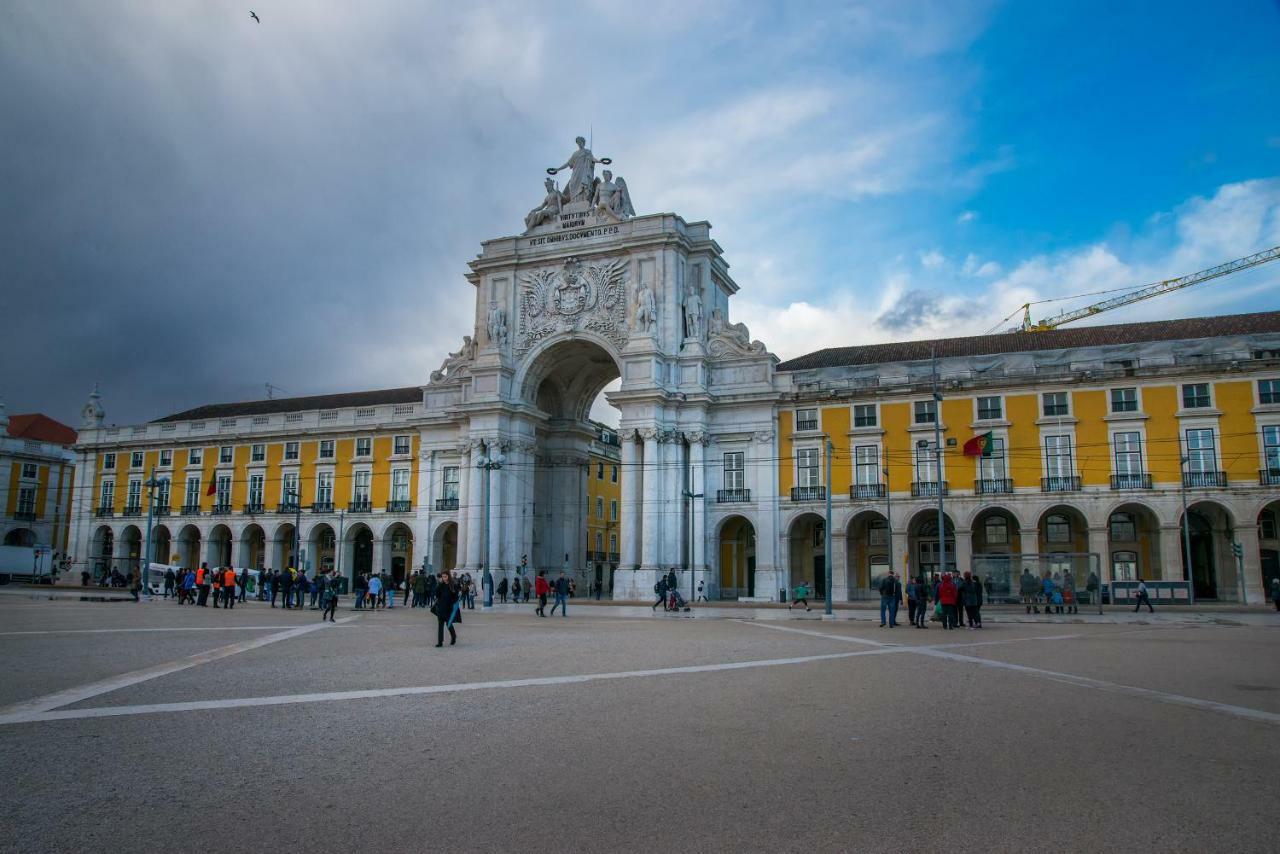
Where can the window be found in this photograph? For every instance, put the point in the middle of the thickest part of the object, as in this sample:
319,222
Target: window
613,544
807,467
327,538
400,445
451,483
1057,457
1128,451
27,499
1201,452
819,535
258,453
289,489
1124,400
107,497
1267,525
864,415
1123,528
400,485
1057,529
195,456
291,450
1268,391
866,465
1271,450
613,510
192,498
364,447
878,533
996,529
1195,396
990,408
926,463
108,461
992,466
324,487
806,419
29,471
166,458
135,460
926,411
1055,403
224,490
1124,566
613,474
734,471
134,499
360,487
599,471
599,544
224,454
255,489
326,449
599,507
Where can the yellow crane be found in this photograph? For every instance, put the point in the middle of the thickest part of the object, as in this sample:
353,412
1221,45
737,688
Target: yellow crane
1167,286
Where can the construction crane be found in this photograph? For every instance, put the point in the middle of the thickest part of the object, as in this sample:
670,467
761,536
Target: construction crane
1167,286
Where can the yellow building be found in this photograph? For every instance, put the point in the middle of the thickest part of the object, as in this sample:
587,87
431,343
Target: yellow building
37,473
604,501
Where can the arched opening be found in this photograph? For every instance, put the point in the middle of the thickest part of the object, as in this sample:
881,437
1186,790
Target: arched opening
1133,543
24,537
924,546
1063,536
319,555
737,555
188,554
357,551
1269,544
218,551
161,544
102,552
129,553
444,547
397,558
1210,529
806,550
253,547
868,553
997,540
282,546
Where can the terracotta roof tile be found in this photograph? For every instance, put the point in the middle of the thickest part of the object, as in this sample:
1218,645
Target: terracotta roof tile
41,428
412,394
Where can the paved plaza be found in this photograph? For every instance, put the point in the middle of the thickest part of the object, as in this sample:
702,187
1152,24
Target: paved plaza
149,727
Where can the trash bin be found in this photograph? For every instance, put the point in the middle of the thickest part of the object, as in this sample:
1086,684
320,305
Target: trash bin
782,595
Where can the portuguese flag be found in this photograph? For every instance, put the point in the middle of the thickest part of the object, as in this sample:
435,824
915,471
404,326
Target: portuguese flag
979,446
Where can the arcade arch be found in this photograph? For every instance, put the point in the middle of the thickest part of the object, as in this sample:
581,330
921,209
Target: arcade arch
737,557
1211,530
806,553
868,553
397,551
444,546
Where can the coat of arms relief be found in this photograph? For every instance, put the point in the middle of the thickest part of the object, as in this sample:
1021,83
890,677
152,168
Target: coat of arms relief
575,296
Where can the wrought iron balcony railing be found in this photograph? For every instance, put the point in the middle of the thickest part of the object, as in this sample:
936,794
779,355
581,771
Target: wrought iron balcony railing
322,507
252,509
401,506
106,511
1060,483
359,505
928,488
993,485
733,496
1269,477
446,504
1131,481
808,493
221,509
1203,479
864,491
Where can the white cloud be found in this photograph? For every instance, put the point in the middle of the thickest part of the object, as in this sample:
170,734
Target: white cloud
966,216
932,259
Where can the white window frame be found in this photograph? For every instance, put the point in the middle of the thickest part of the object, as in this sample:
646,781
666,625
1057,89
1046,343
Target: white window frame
136,460
30,471
329,445
808,467
292,451
866,464
613,509
1044,404
195,456
222,496
735,470
1136,402
108,461
257,485
226,455
408,444
977,408
451,482
133,499
920,409
994,466
1127,453
1053,444
1270,437
1195,456
258,453
926,458
400,484
191,498
107,493
806,421
599,507
1182,397
361,486
364,447
875,415
1273,392
166,457
324,487
164,491
289,484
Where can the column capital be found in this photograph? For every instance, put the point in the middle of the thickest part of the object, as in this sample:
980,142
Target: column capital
763,436
696,437
649,434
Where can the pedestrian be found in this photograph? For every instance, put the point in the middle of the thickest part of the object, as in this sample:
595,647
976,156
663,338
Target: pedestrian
801,597
216,584
229,588
286,587
329,597
912,593
660,587
375,591
502,590
1143,598
1092,584
562,596
275,586
702,591
1048,592
515,590
541,588
922,602
389,587
300,585
1069,592
244,582
890,595
971,594
1275,591
446,610
599,589
947,596
170,580
1028,587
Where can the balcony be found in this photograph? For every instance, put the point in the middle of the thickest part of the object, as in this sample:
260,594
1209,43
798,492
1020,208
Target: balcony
132,510
1131,481
161,510
253,509
221,509
808,493
613,557
190,510
402,506
286,507
24,513
993,486
1204,479
322,507
1060,483
359,505
733,496
866,490
1269,477
928,488
105,511
806,425
446,504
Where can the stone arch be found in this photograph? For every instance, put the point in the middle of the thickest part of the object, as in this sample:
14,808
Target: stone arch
253,547
320,549
187,552
161,544
23,537
282,546
217,550
1267,515
397,551
736,556
444,546
102,548
563,376
358,544
869,549
1133,541
1053,537
923,543
1211,530
806,552
129,550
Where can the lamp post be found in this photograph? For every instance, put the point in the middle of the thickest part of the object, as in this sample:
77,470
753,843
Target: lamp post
489,464
1186,537
691,495
937,462
296,498
144,571
826,531
888,518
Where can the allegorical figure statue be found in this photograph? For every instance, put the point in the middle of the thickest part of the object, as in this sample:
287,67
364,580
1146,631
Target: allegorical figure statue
548,210
497,325
582,173
612,197
646,310
693,313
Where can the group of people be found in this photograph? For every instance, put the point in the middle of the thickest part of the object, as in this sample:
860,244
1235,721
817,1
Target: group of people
196,586
1056,591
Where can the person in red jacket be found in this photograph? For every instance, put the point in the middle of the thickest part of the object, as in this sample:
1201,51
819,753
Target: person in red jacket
947,596
541,588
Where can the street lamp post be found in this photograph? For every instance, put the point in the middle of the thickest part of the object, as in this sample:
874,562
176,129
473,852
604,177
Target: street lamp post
888,518
1186,537
826,532
937,462
691,495
144,571
489,464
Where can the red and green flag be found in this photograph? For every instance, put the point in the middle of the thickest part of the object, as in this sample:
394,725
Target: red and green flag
979,446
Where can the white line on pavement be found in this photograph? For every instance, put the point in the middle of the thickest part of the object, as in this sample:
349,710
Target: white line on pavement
58,699
172,629
36,715
823,635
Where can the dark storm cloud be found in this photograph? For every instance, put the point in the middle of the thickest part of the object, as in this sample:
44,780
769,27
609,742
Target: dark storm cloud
918,309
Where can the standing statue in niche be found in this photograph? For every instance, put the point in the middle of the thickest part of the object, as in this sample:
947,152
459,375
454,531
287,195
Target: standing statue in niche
582,173
548,210
497,326
646,321
693,313
612,197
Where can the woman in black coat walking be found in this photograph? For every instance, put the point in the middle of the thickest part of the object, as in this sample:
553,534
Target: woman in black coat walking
446,598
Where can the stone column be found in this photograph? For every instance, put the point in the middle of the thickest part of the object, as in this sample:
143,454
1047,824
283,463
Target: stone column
839,566
376,562
1171,553
629,547
771,574
464,505
698,484
82,518
651,501
1247,537
1099,538
964,550
674,536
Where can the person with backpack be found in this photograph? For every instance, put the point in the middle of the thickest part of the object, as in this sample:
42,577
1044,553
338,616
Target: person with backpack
1028,587
328,597
890,596
541,588
660,588
445,608
562,596
1048,589
971,597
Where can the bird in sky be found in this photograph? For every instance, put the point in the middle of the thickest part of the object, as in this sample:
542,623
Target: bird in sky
254,15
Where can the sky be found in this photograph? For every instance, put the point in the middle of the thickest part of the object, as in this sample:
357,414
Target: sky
194,204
